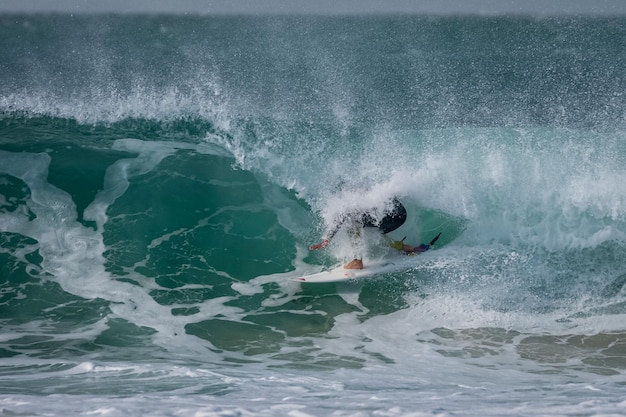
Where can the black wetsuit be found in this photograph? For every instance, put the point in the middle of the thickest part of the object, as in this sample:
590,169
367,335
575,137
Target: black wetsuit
393,218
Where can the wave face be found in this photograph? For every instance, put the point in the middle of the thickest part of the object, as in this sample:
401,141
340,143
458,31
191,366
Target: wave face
162,177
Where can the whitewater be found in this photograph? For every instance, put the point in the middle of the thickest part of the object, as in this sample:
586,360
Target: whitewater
162,178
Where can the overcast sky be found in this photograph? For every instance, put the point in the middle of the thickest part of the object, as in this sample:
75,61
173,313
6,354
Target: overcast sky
483,7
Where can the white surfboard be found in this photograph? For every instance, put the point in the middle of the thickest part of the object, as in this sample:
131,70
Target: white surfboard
340,274
392,264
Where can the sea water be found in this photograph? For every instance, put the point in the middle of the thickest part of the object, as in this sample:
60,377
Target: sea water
162,177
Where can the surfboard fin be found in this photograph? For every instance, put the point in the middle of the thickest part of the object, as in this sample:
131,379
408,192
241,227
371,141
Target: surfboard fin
423,247
432,242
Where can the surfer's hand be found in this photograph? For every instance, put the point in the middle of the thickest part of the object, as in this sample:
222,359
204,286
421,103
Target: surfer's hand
320,245
421,248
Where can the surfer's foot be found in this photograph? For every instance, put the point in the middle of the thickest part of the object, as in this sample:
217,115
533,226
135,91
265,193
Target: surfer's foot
354,264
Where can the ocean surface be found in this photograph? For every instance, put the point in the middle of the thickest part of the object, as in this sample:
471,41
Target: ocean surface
162,177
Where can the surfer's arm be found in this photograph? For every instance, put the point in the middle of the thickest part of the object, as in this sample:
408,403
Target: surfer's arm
399,244
417,249
329,235
408,249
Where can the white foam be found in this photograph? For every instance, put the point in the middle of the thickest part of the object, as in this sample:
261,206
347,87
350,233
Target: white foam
73,253
551,188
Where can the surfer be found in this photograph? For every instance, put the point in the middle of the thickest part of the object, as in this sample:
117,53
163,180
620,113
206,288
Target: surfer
393,218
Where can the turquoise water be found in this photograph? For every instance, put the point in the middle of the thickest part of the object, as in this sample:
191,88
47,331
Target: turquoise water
161,179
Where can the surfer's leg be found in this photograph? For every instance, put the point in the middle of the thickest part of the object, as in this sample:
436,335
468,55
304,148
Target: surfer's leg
356,238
